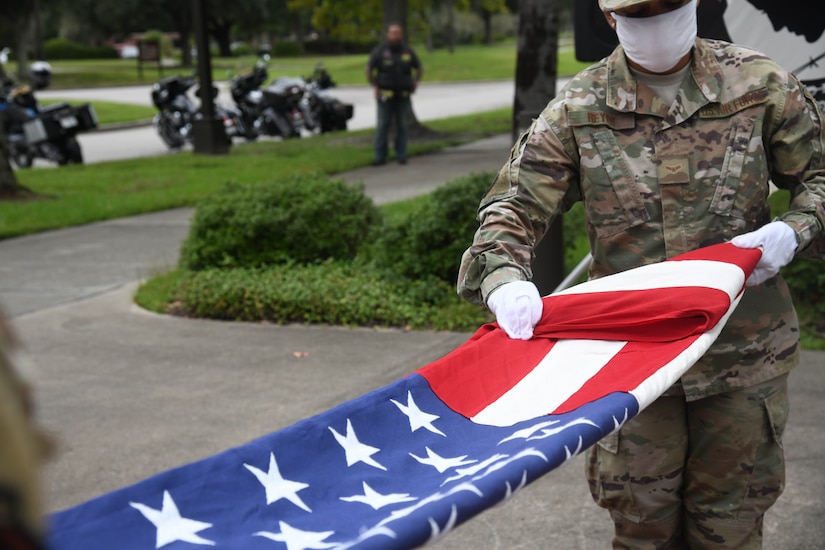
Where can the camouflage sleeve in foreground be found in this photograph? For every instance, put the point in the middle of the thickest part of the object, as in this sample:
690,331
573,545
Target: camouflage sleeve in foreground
21,452
538,182
798,143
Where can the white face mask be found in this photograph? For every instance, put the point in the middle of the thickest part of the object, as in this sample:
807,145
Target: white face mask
657,43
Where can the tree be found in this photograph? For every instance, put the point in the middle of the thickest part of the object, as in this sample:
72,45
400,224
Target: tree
395,12
18,18
224,15
486,9
359,20
536,71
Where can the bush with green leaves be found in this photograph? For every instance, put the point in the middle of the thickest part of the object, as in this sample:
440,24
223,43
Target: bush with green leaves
430,241
806,280
334,292
60,48
287,48
304,218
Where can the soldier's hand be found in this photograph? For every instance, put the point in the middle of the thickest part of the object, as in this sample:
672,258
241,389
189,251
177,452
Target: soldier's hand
778,243
517,307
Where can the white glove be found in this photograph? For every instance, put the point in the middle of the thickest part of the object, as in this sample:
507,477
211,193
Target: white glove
778,243
517,307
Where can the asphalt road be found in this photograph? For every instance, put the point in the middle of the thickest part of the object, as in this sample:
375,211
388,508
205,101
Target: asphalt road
431,101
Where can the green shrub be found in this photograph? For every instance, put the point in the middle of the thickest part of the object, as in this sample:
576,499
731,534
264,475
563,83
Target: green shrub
167,49
244,50
806,279
328,46
287,48
338,293
60,48
431,240
302,218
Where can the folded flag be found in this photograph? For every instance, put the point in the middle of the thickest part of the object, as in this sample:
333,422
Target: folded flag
403,465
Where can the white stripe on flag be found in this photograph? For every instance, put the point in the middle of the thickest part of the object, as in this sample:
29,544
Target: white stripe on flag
685,273
564,370
656,384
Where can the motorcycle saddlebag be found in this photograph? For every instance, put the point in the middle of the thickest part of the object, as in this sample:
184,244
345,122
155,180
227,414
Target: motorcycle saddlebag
86,117
53,124
342,111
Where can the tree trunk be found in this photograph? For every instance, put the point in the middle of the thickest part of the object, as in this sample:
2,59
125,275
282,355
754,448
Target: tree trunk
451,33
395,11
37,50
536,71
186,47
428,35
220,31
298,28
487,17
181,16
21,46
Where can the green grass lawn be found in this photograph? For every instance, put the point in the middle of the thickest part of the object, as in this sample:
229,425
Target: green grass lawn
111,113
471,62
78,194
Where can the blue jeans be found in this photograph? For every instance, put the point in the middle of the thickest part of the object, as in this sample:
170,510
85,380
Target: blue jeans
389,108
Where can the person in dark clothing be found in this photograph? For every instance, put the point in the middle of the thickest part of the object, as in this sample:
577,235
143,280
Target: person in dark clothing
394,71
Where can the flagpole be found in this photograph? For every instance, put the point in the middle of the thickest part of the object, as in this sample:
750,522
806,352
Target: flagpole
574,275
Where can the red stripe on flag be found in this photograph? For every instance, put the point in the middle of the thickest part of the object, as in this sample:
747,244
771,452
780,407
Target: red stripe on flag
635,363
484,369
652,315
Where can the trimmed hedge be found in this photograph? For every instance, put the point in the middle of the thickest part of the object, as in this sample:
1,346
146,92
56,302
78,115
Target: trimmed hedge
301,219
336,293
60,48
431,240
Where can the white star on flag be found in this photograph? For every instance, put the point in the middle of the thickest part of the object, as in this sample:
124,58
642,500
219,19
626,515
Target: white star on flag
376,499
276,486
440,463
295,539
355,450
170,525
472,470
418,418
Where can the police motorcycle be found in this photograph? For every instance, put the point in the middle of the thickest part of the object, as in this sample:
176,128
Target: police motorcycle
34,131
177,111
279,109
330,113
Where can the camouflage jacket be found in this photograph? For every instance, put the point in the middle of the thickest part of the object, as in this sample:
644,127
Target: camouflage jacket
657,181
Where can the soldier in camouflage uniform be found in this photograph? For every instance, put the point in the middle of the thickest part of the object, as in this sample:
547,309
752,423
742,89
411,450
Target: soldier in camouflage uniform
668,160
21,449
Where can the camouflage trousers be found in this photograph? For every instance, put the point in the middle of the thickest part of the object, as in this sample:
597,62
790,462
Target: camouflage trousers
697,474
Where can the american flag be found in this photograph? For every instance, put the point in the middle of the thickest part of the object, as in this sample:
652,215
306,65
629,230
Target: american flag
404,465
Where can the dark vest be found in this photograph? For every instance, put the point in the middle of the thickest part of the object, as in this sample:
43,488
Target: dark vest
394,68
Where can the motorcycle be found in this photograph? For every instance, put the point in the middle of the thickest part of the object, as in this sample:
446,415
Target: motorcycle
289,105
245,91
34,131
331,113
177,111
282,109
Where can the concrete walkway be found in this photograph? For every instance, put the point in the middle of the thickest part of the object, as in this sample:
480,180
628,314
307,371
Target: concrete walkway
129,393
